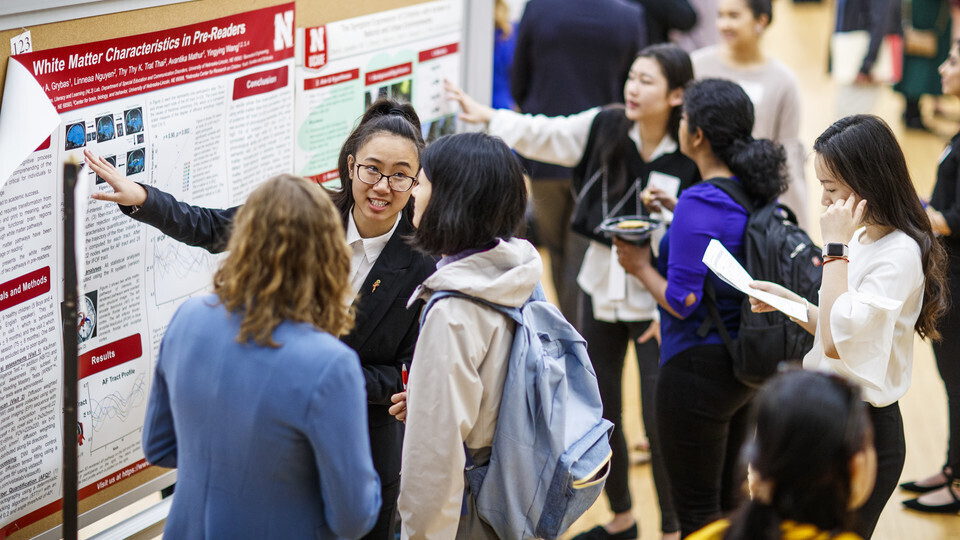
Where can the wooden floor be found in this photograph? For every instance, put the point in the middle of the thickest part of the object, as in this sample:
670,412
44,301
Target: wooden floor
799,36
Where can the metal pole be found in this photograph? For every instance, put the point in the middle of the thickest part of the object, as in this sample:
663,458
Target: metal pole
69,469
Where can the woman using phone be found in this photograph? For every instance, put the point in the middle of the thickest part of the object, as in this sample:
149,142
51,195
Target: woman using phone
883,282
378,164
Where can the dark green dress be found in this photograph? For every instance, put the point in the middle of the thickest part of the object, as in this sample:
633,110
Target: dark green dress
920,74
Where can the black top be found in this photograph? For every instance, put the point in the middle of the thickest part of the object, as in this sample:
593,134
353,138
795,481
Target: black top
665,15
609,186
946,199
384,333
571,56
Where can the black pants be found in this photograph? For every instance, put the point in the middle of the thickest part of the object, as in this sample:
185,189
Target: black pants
384,529
607,345
947,352
702,416
891,452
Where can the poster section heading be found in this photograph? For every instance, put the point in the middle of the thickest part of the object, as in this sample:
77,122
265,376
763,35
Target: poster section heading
93,73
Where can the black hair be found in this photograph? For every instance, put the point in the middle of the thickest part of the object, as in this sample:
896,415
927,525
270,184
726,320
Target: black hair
677,69
383,116
761,7
862,152
477,194
724,112
808,427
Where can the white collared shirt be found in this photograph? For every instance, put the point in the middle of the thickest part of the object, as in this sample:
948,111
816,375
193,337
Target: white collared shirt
366,251
562,140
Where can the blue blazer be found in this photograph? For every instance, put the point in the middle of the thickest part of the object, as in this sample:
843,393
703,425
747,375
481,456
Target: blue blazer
268,443
385,331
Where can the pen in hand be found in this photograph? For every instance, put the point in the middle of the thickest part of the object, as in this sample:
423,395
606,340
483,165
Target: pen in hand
404,375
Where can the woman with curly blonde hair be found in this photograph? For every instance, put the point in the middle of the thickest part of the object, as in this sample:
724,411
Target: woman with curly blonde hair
251,381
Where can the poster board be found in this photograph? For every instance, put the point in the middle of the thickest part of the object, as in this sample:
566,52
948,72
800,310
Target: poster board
174,144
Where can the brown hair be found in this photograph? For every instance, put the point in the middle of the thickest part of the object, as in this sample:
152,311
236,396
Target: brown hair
501,18
287,261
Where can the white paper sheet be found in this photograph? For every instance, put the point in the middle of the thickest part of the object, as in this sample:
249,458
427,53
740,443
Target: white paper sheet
26,118
724,265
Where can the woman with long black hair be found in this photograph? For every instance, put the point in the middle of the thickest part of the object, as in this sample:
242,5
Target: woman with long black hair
884,281
701,407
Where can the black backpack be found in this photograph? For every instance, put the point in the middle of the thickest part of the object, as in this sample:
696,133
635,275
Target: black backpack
775,249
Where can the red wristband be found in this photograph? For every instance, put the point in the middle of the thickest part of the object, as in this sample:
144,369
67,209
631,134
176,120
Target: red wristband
831,259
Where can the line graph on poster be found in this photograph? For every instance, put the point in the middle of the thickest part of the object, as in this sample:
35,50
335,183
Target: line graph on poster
179,270
113,408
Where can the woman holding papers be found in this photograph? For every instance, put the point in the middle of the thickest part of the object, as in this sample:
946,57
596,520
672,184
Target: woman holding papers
251,382
617,152
701,406
378,164
883,281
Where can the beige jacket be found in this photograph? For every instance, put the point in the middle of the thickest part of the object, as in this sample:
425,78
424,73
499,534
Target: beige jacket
456,380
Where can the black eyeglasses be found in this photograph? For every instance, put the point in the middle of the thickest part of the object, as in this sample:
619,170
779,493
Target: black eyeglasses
368,174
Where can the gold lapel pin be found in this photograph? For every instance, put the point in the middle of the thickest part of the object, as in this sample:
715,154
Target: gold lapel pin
375,285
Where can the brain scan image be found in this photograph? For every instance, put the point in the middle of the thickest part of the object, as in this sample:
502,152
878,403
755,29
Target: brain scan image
76,136
135,161
113,161
105,129
133,120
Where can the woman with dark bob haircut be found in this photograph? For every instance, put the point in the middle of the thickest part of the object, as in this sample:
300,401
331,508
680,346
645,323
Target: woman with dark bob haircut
701,407
625,157
884,281
811,462
468,206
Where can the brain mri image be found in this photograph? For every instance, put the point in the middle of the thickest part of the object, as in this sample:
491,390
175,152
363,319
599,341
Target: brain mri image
113,161
105,129
135,161
133,121
76,136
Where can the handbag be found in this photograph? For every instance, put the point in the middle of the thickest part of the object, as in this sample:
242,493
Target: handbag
922,43
847,50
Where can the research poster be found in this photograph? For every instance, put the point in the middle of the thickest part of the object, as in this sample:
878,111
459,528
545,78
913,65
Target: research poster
204,112
344,66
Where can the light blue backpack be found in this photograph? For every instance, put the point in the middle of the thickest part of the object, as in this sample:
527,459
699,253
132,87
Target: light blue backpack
551,452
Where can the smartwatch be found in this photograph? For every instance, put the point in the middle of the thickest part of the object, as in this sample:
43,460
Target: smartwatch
835,250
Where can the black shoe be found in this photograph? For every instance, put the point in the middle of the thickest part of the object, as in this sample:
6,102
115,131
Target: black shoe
949,508
599,533
912,486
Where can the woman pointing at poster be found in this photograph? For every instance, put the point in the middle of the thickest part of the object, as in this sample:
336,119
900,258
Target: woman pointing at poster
378,163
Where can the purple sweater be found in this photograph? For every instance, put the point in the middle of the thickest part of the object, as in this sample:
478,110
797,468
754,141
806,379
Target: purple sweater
703,212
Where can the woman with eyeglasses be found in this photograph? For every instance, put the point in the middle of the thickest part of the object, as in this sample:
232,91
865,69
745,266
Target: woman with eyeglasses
378,164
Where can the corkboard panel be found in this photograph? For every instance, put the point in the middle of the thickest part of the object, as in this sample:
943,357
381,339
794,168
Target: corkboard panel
101,497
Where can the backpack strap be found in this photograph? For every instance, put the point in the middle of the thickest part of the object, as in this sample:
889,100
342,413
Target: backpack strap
735,190
512,312
714,319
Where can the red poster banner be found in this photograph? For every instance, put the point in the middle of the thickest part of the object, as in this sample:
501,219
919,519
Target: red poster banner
91,73
385,74
333,78
260,83
25,287
439,51
110,355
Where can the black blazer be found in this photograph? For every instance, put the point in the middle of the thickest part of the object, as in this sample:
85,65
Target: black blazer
385,331
572,55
